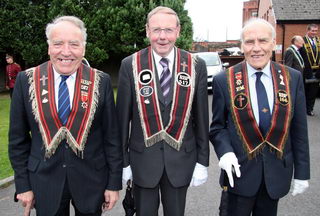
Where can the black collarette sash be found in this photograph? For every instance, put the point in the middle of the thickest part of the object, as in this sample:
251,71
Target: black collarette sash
242,111
147,97
42,96
313,58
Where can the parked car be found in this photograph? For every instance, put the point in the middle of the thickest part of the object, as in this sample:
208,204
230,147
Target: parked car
214,65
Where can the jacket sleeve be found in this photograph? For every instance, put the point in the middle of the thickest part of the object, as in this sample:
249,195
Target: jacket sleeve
19,135
219,134
124,106
200,114
299,133
111,139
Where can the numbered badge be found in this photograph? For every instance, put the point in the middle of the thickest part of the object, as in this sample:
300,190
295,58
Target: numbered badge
183,79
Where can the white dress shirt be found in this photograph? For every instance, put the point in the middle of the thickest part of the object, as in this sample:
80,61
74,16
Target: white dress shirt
157,59
266,79
70,83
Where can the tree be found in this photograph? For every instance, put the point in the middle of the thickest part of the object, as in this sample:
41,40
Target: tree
114,27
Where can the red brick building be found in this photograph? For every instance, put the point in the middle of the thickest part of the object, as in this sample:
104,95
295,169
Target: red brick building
289,18
250,9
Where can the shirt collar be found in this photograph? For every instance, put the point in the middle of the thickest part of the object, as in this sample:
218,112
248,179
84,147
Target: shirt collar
295,47
57,75
266,70
170,57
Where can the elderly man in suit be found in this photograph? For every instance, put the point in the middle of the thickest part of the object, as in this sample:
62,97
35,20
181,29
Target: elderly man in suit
63,138
292,56
162,104
259,127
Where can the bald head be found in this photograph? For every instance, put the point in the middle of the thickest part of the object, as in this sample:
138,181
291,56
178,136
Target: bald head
297,40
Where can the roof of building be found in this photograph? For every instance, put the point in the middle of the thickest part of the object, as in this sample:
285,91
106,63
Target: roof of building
296,9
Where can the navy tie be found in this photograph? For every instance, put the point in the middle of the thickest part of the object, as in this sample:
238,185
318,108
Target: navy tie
165,78
263,104
63,101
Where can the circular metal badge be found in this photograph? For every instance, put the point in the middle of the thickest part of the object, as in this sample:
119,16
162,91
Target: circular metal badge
183,79
283,97
146,91
145,76
240,101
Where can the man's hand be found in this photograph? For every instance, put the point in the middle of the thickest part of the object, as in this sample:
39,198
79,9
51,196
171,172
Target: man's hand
126,175
229,163
27,200
299,186
111,197
200,175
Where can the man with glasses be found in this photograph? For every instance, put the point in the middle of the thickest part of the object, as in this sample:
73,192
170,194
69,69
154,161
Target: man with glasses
162,107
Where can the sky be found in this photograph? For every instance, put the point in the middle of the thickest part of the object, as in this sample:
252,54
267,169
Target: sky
215,20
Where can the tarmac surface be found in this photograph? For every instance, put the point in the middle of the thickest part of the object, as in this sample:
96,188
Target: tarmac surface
204,200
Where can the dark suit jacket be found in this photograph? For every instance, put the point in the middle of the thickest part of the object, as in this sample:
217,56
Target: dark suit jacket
308,72
277,173
148,163
88,177
291,60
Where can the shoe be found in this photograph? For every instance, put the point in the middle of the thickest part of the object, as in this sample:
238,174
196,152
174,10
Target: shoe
310,113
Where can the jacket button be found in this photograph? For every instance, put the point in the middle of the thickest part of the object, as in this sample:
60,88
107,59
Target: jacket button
64,166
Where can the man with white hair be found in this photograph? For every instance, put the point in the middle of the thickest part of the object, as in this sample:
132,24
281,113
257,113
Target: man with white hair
63,138
259,127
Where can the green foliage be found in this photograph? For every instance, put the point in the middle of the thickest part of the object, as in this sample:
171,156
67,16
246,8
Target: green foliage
5,166
114,27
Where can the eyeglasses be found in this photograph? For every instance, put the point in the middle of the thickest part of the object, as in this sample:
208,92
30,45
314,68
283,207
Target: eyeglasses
167,31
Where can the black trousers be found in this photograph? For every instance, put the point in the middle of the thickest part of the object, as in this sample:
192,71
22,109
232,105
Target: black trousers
173,199
259,205
64,209
311,91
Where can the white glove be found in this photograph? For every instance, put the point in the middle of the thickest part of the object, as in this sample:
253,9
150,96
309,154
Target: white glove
126,175
227,162
299,186
200,175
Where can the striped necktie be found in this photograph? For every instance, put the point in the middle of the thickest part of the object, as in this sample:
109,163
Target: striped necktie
63,100
263,104
165,78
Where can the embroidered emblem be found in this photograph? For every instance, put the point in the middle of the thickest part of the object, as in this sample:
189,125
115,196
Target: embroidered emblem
44,92
281,78
146,91
45,100
240,101
43,79
283,97
183,79
145,77
265,110
184,66
147,101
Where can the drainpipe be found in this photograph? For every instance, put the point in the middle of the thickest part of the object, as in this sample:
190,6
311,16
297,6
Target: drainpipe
283,39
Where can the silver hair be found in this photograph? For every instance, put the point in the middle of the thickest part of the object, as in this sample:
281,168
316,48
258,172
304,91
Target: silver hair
72,19
259,21
165,10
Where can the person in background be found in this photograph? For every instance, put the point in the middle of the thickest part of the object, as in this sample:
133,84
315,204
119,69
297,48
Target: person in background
63,136
259,127
292,56
12,71
310,53
162,106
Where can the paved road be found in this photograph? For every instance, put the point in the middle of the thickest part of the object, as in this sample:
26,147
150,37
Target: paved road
204,200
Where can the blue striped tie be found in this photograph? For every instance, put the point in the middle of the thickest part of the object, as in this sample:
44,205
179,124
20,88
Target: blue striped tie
263,104
165,78
63,101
